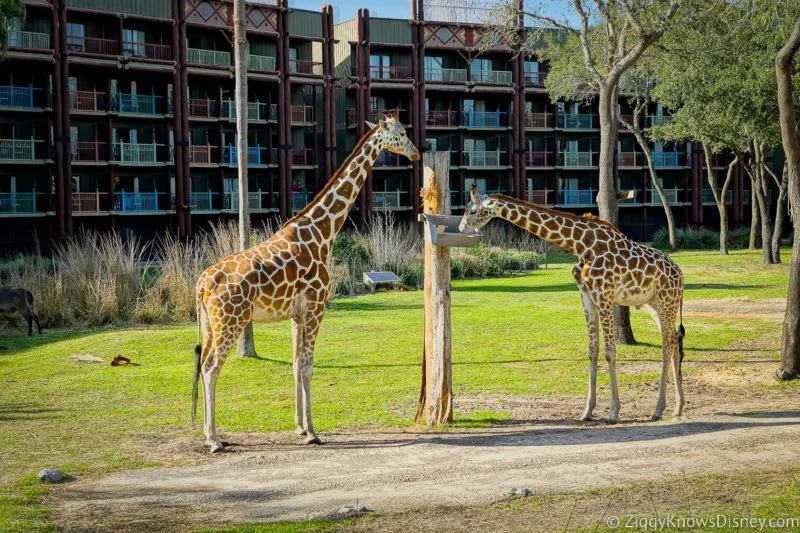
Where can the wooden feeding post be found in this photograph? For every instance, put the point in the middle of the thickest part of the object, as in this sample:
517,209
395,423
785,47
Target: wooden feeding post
441,232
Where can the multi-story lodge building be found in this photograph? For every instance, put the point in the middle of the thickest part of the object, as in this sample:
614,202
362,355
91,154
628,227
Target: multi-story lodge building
119,114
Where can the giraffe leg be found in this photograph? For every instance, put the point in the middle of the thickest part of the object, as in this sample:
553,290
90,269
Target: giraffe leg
310,330
210,375
667,340
297,344
606,310
590,310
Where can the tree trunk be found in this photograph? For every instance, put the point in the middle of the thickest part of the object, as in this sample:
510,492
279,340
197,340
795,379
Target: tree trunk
723,228
246,346
766,236
753,219
719,195
790,344
673,240
777,231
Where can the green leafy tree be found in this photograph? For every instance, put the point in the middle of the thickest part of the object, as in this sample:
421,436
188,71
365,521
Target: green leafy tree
10,12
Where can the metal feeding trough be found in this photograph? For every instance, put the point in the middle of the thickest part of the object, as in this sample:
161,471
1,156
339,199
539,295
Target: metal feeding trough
442,230
373,279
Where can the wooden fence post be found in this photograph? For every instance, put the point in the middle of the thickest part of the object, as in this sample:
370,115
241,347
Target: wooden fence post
437,374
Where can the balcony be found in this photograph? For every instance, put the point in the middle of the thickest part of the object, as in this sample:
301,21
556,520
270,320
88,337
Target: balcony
20,203
578,121
484,159
256,201
538,120
539,159
708,197
388,200
577,197
631,159
448,119
540,196
202,201
301,66
201,155
92,45
90,101
535,79
388,159
137,202
162,52
255,62
484,119
373,115
446,74
257,156
255,110
18,97
136,153
576,159
300,200
302,157
633,200
137,104
202,108
88,202
212,58
389,72
89,151
657,120
302,114
745,198
670,194
491,76
29,39
718,160
666,159
17,149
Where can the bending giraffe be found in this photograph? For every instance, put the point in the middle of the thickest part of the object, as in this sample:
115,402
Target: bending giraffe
612,269
285,277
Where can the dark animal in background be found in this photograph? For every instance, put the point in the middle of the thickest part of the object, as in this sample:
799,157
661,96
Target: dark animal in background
21,301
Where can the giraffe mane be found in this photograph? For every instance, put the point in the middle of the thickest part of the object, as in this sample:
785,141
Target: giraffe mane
586,217
328,186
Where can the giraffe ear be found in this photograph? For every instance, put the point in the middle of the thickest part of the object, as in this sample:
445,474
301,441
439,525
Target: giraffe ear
473,193
370,125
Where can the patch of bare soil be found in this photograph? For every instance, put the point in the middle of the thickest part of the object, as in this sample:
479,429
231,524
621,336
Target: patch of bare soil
770,309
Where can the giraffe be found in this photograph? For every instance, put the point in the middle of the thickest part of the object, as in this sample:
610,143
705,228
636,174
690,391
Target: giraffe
285,277
612,269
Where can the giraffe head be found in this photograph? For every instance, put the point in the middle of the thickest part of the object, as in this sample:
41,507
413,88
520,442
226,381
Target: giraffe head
479,212
391,135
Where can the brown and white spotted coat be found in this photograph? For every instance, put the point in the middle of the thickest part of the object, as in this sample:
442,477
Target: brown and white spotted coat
612,269
285,277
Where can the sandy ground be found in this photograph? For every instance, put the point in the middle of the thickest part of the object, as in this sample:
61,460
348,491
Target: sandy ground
269,477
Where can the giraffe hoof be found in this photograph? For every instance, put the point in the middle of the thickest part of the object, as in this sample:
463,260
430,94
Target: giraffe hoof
655,418
586,418
313,439
613,420
216,447
300,431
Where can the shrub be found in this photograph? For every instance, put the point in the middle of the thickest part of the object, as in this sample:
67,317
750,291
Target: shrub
413,276
456,268
704,239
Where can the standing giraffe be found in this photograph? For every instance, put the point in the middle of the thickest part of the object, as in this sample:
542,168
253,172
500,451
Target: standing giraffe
284,277
611,269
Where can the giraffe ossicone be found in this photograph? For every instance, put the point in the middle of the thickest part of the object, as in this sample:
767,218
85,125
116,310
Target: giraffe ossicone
612,270
284,278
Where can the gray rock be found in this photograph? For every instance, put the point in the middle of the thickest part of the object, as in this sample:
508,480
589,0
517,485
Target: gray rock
345,510
518,492
354,511
50,475
364,509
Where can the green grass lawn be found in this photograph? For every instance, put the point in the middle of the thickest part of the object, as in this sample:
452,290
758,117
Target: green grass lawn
518,335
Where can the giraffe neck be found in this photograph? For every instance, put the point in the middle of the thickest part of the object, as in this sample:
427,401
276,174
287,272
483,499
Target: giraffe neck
328,212
556,228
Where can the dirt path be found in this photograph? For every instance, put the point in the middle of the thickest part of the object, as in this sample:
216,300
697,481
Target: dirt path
271,477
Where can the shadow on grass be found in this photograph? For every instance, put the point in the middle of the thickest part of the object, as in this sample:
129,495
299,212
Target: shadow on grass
22,411
723,286
563,287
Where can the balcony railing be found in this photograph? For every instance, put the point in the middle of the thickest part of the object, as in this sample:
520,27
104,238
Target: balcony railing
483,158
29,39
17,149
535,79
389,72
539,159
92,45
87,202
656,120
484,119
300,200
89,151
388,200
133,153
137,104
150,51
373,115
718,160
576,159
745,198
631,159
540,196
87,101
491,76
666,159
538,120
256,155
441,118
578,121
670,194
255,110
202,201
202,107
256,200
18,97
302,113
389,159
201,155
19,202
302,157
446,74
137,202
577,196
214,58
255,62
708,197
634,198
302,66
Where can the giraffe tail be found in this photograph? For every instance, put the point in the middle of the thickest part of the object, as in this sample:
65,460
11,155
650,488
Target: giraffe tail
681,331
198,351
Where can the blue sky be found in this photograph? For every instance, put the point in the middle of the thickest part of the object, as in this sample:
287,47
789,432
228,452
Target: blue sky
400,9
